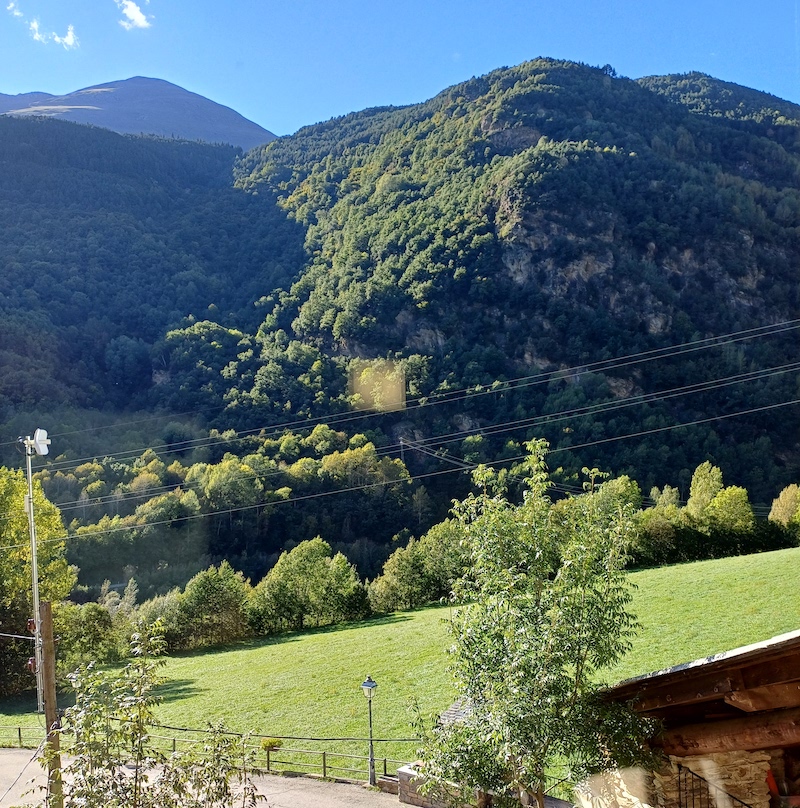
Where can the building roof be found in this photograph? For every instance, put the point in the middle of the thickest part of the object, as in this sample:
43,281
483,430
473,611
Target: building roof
758,682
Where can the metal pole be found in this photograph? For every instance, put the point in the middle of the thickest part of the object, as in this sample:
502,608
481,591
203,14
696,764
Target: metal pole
37,618
372,780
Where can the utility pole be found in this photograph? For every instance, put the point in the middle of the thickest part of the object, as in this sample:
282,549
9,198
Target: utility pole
45,650
38,444
56,796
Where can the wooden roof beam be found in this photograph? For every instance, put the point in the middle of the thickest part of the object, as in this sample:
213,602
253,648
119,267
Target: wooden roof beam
770,731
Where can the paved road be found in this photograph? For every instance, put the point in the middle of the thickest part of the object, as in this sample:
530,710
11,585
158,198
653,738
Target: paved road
18,770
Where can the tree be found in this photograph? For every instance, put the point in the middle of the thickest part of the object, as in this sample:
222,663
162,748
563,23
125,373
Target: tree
543,612
213,606
403,584
56,577
786,507
307,585
706,484
730,511
86,633
114,762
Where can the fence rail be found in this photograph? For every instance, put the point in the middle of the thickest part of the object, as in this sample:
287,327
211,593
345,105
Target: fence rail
23,737
269,758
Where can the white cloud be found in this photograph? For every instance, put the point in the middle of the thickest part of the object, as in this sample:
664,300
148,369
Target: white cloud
37,35
69,41
134,16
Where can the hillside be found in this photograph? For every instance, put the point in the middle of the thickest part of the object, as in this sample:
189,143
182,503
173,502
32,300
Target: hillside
548,250
405,654
143,106
544,217
110,240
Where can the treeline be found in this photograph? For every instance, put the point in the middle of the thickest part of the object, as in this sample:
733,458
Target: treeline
310,586
313,585
243,499
246,499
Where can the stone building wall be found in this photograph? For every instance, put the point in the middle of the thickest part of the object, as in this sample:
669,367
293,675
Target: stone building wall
623,788
409,781
741,774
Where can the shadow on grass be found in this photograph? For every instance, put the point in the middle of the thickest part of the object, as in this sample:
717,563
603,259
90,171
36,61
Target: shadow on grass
21,704
295,636
24,704
177,689
174,690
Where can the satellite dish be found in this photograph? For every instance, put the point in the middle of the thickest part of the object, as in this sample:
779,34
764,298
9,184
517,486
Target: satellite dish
41,443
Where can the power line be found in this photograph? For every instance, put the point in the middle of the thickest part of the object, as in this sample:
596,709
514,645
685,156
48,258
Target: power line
447,397
427,475
491,429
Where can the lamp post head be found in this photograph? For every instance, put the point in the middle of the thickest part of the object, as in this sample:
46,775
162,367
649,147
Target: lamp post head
369,687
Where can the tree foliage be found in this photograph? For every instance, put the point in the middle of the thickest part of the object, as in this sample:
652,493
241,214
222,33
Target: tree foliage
116,763
544,610
55,576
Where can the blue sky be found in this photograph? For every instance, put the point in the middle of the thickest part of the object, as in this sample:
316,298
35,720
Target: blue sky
295,62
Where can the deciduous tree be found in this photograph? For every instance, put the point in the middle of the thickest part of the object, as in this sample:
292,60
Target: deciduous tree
544,611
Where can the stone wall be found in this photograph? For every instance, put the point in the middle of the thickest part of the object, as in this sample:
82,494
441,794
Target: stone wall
409,781
741,774
623,788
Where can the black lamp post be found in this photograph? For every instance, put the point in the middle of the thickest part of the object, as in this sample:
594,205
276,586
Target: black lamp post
369,687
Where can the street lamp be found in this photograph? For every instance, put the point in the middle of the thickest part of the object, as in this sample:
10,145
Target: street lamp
369,687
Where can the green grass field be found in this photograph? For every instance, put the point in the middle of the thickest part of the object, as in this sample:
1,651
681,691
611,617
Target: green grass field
309,684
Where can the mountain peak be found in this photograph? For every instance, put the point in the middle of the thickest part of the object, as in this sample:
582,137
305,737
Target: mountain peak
142,105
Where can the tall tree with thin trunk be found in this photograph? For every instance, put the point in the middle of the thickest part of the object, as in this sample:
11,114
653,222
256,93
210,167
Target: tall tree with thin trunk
543,611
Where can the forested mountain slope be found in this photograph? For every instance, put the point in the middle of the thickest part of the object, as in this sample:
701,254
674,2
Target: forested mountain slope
549,250
546,216
107,242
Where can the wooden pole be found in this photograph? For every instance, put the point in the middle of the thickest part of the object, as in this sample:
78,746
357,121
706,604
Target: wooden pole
780,728
54,790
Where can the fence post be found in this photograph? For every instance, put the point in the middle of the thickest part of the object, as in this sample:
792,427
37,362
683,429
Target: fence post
268,759
19,736
324,764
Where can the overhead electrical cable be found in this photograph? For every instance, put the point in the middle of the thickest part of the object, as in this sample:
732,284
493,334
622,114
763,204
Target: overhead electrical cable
426,475
446,397
489,430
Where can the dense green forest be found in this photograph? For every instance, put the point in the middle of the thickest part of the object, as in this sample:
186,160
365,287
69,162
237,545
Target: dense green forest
154,549
546,251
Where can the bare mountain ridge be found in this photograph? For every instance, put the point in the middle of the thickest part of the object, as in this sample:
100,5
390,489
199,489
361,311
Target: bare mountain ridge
143,106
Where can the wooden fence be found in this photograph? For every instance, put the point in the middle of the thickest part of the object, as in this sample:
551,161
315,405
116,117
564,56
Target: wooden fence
318,756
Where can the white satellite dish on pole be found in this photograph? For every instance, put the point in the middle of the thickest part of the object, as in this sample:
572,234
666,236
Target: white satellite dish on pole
41,443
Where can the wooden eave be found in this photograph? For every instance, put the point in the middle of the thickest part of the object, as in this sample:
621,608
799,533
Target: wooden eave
747,698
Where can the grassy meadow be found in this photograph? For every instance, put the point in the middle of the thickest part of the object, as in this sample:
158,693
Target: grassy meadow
309,684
